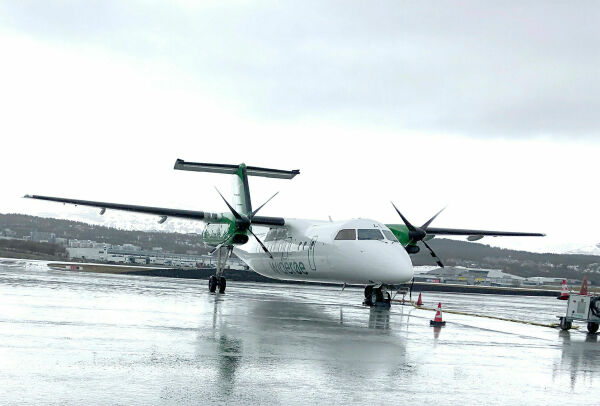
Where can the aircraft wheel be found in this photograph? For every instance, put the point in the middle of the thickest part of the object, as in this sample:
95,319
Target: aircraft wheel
222,284
378,295
368,296
212,284
592,327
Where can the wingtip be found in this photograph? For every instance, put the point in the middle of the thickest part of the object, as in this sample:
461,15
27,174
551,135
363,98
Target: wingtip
178,162
27,196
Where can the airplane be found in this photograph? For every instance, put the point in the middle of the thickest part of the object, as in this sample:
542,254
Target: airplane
349,252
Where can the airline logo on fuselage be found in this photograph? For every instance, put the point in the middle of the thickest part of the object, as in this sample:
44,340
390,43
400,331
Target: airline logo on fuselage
288,267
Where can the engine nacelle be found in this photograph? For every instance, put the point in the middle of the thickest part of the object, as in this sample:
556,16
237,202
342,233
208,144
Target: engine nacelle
412,249
216,233
220,233
239,239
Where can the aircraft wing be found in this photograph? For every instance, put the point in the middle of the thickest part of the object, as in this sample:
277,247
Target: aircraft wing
459,231
159,211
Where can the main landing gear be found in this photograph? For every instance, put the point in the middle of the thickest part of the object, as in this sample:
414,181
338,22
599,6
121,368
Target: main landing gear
377,296
218,281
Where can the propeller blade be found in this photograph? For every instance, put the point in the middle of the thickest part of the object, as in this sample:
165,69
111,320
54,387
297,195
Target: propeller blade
261,244
235,213
261,206
433,254
424,226
406,222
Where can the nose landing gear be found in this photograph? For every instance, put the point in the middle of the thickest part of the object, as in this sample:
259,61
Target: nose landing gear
377,296
218,280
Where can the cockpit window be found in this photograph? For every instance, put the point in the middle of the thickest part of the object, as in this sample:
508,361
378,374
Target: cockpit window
346,234
369,234
389,235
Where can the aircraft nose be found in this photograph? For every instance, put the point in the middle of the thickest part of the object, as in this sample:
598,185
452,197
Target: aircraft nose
394,264
375,262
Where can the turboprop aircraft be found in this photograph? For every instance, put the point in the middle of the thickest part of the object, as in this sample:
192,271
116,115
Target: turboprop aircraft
358,251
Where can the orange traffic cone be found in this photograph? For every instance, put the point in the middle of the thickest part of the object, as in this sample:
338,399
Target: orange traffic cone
583,290
419,300
564,291
437,320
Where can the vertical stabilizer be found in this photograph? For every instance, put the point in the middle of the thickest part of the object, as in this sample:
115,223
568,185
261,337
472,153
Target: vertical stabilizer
240,191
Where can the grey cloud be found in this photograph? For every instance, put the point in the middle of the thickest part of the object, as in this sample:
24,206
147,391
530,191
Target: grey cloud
513,69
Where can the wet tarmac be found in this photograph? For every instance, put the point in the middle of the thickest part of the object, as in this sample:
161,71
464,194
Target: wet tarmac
78,338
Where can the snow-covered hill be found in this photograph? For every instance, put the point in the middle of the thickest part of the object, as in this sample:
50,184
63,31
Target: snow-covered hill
588,250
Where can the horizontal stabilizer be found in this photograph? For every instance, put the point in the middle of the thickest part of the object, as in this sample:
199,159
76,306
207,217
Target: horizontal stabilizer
233,169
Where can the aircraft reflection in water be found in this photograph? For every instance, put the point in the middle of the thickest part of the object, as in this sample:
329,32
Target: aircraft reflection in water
288,331
359,251
578,358
229,353
379,318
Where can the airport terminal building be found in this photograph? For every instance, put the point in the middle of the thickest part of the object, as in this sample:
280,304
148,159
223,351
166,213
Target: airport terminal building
485,277
131,254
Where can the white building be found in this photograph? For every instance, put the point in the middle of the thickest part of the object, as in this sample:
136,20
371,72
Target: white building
99,253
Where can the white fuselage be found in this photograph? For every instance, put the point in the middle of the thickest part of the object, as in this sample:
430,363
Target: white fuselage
306,250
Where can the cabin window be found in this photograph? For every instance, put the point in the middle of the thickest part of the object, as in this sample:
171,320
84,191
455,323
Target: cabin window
346,234
389,235
370,234
276,234
271,235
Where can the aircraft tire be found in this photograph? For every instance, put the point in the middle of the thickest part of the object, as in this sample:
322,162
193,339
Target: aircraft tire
564,324
222,284
212,284
378,296
592,327
368,296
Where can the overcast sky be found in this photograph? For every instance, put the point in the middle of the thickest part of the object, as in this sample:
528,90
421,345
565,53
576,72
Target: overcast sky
489,108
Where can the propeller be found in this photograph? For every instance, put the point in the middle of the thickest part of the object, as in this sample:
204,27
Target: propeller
416,234
243,222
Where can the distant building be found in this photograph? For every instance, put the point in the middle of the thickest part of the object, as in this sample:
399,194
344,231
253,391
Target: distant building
85,244
131,247
88,253
469,276
40,236
132,254
62,241
487,277
7,232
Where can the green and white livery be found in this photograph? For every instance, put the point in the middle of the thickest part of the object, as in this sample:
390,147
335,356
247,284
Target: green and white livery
357,251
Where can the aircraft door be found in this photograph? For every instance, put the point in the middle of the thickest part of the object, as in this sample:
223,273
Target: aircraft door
311,254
